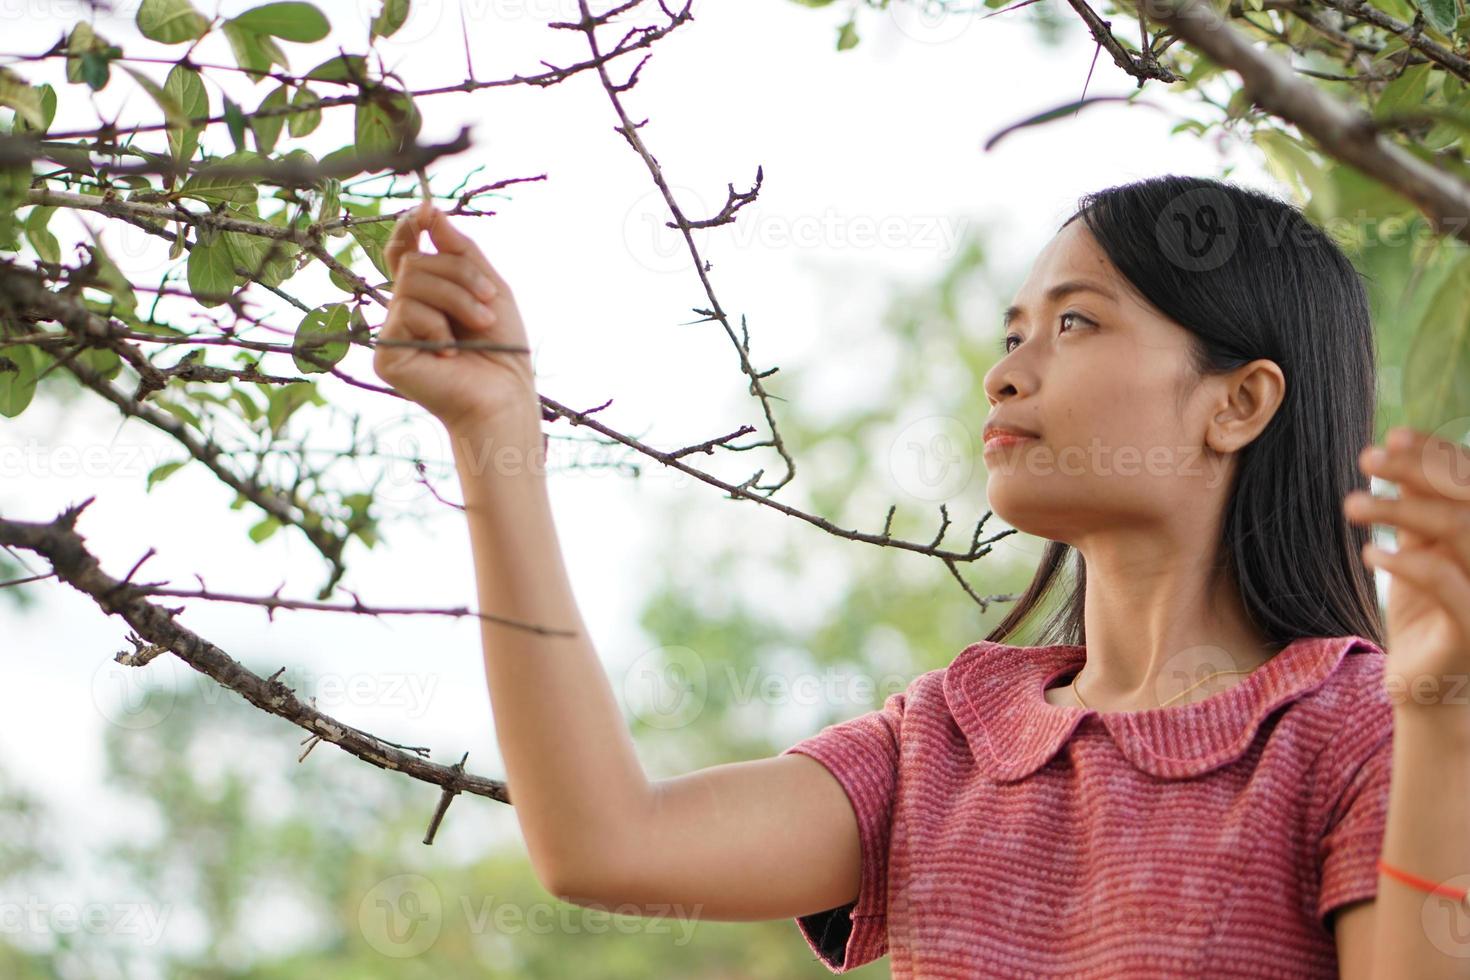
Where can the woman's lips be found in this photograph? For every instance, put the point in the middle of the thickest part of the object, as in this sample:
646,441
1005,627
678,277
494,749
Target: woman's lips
1003,439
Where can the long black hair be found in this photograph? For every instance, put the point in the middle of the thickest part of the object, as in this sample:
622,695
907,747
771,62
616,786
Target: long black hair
1250,277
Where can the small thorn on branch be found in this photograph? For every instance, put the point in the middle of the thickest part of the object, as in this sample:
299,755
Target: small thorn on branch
142,652
450,792
310,743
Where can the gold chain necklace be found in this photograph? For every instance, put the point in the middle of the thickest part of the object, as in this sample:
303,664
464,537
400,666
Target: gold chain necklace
1078,694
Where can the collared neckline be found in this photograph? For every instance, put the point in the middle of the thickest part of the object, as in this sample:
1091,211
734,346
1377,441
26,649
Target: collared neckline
995,692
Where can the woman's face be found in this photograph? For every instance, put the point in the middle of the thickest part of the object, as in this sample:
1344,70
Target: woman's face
1105,381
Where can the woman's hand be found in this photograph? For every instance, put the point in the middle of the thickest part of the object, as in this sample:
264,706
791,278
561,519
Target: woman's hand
456,301
1429,588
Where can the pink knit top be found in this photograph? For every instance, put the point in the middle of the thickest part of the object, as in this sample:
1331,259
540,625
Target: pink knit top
1004,836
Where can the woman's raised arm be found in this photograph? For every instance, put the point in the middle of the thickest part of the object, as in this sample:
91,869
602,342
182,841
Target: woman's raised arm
769,838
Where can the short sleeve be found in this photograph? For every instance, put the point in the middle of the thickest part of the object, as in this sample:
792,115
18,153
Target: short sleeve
1356,814
863,754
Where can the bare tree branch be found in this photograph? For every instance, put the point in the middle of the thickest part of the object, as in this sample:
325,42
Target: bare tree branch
60,544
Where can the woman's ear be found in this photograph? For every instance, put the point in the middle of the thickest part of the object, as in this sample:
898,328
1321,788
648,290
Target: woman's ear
1249,397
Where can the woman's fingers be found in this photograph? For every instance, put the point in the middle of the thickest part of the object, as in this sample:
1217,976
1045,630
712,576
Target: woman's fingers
450,282
416,320
449,239
1432,519
404,240
445,236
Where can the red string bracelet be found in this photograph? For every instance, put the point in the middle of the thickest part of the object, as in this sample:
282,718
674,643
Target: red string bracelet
1424,884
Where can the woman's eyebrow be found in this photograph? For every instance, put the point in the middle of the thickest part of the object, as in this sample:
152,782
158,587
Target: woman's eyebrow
1060,290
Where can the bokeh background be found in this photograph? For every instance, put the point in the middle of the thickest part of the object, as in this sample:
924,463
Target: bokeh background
154,825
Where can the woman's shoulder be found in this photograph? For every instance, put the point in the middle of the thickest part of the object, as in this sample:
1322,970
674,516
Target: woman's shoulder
1348,719
1354,691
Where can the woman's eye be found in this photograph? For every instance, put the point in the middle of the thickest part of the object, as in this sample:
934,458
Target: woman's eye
1005,343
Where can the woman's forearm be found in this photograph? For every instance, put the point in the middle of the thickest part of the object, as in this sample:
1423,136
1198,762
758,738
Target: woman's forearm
575,780
1427,833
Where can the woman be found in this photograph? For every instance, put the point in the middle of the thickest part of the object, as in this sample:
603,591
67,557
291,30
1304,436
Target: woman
1199,768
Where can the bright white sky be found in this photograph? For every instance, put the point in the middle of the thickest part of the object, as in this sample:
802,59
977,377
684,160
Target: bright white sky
887,136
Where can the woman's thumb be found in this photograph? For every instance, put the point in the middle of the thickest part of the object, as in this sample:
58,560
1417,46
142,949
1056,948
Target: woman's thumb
405,237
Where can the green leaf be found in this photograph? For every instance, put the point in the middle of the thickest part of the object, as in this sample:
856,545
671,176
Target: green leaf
248,408
162,472
211,271
179,412
83,47
47,96
1294,166
1437,369
373,236
307,117
96,70
344,259
1403,93
254,52
342,68
1441,14
389,19
847,35
267,128
330,206
387,121
170,21
15,184
111,280
283,400
264,529
207,184
250,252
17,378
186,88
40,237
25,100
103,360
323,334
235,122
173,110
288,21
344,155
